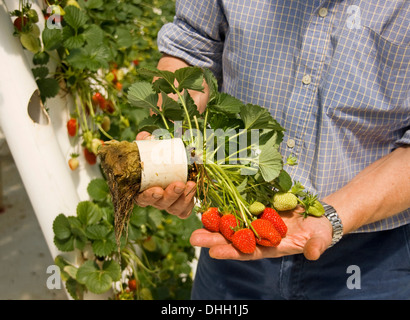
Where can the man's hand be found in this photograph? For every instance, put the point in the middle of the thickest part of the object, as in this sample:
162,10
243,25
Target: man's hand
310,236
177,199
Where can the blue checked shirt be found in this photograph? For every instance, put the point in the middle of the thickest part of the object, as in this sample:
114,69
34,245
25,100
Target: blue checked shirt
334,74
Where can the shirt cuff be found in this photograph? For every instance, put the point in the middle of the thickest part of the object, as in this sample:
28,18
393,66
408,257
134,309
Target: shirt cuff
180,40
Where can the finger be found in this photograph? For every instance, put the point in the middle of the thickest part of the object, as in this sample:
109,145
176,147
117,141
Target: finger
171,194
207,239
314,248
183,206
143,135
188,211
150,196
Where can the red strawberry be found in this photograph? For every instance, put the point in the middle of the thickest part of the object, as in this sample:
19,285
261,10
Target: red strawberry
273,216
227,225
244,240
90,157
267,234
97,98
132,284
72,127
20,23
210,219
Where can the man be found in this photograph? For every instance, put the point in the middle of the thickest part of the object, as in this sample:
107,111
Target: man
336,76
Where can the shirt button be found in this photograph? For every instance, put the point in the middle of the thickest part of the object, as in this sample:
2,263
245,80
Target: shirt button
291,143
306,79
323,12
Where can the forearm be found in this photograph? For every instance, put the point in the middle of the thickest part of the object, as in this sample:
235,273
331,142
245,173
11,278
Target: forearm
170,63
379,191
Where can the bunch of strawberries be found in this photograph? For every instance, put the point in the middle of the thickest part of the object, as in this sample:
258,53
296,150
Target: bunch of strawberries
266,229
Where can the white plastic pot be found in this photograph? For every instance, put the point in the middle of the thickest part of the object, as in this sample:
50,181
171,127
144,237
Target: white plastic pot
162,162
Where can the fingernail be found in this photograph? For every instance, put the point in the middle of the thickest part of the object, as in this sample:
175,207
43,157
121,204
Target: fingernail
178,190
157,196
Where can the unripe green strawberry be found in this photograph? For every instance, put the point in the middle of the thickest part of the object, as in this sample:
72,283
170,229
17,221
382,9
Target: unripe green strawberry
256,208
283,201
244,240
210,219
271,215
316,209
267,235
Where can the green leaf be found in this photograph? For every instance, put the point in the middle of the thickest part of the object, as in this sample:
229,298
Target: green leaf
41,58
123,37
96,280
94,35
153,72
113,269
48,87
64,245
88,212
74,17
255,117
75,289
30,42
74,41
98,189
154,217
283,182
139,216
89,57
61,262
52,38
40,72
270,162
61,227
171,109
71,271
94,4
150,124
191,106
142,95
190,78
228,104
97,231
162,85
104,247
212,83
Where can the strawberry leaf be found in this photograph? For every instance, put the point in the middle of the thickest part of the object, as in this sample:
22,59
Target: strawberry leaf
142,95
190,78
52,38
270,162
88,212
98,189
98,280
74,17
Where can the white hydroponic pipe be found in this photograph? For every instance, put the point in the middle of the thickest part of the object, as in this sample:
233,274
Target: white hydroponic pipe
39,145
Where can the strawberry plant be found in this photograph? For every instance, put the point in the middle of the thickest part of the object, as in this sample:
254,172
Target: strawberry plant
97,55
154,259
232,150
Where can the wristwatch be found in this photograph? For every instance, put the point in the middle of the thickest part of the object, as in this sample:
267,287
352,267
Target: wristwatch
333,217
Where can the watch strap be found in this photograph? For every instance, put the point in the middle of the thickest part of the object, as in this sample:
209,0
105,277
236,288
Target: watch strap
335,221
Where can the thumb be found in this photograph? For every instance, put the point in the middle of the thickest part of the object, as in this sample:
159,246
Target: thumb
143,135
314,248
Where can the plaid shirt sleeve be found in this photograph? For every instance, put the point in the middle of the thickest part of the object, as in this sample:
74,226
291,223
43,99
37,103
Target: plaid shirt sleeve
335,74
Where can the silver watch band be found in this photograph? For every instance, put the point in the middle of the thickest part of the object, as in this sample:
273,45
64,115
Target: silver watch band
333,217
